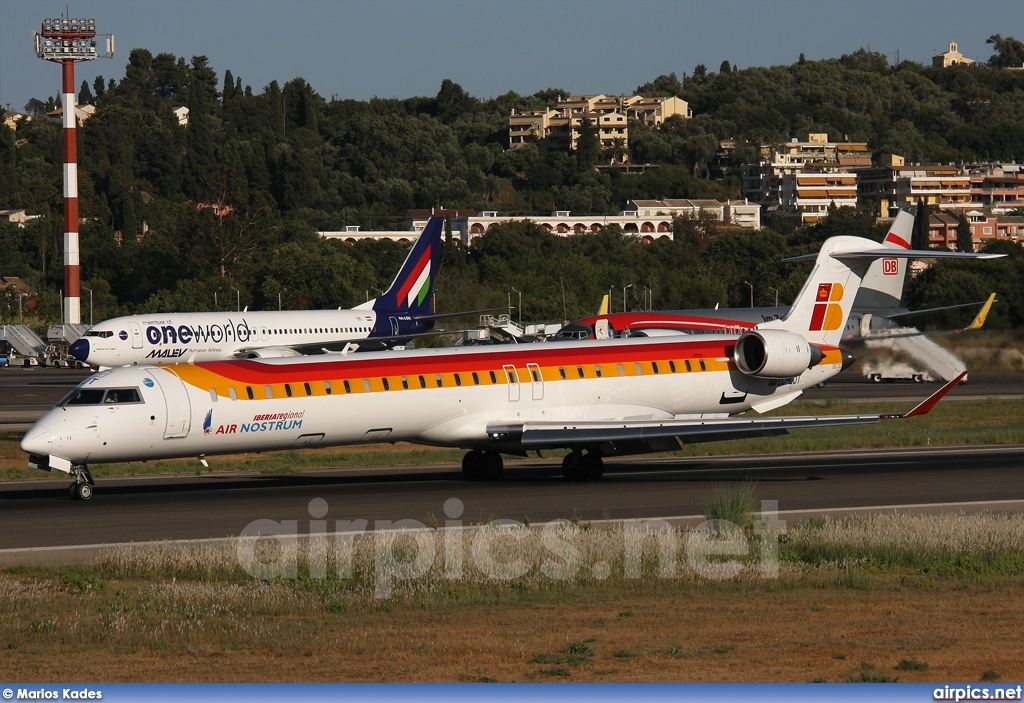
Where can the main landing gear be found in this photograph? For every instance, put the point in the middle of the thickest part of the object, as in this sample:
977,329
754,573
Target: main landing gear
81,489
577,466
482,466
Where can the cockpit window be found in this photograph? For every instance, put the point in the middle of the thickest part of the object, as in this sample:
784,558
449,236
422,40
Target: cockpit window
87,396
97,333
122,395
103,396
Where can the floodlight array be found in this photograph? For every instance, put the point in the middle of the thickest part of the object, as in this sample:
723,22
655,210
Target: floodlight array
67,39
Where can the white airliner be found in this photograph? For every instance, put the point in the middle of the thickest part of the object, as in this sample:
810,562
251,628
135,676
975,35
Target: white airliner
596,398
173,338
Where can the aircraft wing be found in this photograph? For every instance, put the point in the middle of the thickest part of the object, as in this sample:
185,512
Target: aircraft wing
442,315
667,435
976,323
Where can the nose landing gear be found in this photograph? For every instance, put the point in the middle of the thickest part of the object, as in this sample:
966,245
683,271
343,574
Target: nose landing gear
83,486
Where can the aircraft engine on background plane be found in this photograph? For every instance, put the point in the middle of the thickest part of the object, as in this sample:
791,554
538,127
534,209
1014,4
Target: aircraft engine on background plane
268,353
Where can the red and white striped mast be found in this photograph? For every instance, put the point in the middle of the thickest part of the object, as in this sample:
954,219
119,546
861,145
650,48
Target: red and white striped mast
67,41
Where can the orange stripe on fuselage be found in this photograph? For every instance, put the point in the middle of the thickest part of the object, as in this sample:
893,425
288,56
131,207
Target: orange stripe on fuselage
365,375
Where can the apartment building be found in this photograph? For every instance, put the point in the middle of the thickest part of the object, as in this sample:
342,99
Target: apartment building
895,185
801,178
985,226
999,187
559,127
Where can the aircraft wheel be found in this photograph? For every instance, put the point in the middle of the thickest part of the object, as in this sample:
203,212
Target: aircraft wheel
918,378
83,491
572,467
73,491
593,466
876,378
471,465
491,466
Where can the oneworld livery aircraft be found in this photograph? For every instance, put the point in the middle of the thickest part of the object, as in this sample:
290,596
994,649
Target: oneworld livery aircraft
401,312
596,398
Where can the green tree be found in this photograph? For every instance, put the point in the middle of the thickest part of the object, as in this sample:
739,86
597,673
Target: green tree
1009,52
588,145
85,95
964,242
919,238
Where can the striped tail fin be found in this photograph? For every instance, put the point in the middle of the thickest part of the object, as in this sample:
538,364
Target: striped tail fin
412,288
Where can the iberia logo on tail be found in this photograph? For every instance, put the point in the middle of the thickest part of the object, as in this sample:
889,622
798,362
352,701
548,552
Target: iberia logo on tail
417,285
828,313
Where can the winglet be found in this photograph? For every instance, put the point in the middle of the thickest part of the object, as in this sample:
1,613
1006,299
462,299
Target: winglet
928,403
603,310
979,320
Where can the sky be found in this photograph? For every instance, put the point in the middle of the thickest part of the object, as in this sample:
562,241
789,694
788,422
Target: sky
358,49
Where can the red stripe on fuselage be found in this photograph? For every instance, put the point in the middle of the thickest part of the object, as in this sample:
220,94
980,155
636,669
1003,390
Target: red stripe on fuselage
569,355
403,292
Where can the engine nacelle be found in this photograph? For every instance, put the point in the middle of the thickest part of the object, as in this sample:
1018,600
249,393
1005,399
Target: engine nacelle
775,354
268,353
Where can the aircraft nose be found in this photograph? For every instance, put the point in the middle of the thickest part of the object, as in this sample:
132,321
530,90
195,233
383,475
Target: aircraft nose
80,349
37,440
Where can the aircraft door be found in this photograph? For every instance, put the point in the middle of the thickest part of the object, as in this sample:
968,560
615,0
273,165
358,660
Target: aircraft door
394,326
601,330
512,377
179,409
136,332
536,380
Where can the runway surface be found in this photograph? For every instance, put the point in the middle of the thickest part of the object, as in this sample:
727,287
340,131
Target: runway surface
40,513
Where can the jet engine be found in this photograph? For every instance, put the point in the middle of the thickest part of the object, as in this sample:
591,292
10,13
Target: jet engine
775,354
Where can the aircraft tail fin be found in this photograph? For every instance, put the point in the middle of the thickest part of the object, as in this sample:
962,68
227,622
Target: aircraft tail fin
412,288
882,287
822,307
603,310
982,315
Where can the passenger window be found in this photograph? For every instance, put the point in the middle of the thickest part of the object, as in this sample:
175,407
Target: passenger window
438,380
622,371
366,385
597,370
512,377
639,369
579,370
423,382
233,393
703,366
536,375
288,389
458,380
405,383
270,391
387,386
248,392
327,387
561,371
494,378
654,367
476,378
688,367
309,389
348,386
672,366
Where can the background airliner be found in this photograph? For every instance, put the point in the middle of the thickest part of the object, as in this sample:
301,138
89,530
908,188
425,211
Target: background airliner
875,310
596,398
173,338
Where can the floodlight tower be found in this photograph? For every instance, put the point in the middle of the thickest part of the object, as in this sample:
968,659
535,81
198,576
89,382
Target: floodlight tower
67,41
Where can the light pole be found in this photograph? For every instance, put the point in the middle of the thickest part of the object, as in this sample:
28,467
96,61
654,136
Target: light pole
279,298
67,41
238,298
21,318
90,304
648,295
520,308
624,289
747,283
776,294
